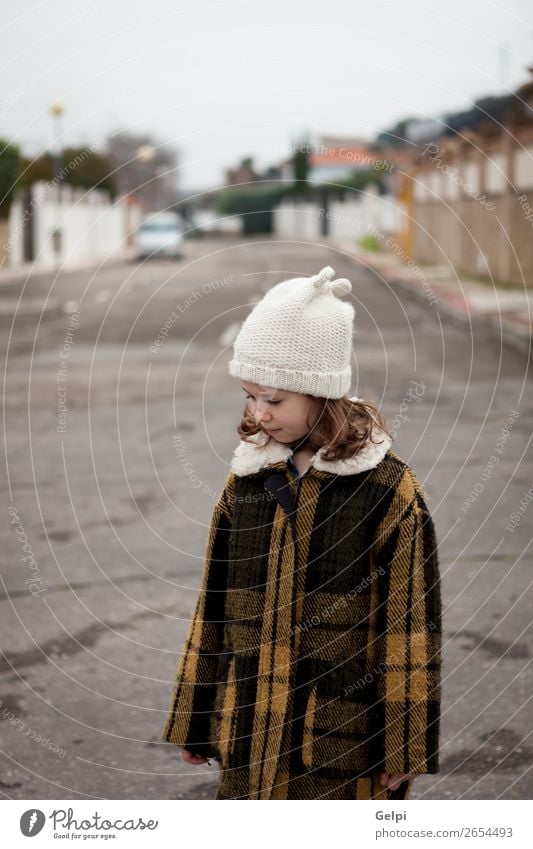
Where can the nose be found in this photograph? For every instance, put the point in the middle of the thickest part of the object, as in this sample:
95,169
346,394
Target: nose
262,414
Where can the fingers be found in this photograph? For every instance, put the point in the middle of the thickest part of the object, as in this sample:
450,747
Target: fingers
393,780
190,758
389,779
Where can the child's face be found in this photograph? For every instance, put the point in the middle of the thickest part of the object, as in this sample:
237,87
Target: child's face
279,412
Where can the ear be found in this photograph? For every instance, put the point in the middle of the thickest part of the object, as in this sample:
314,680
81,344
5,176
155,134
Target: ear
341,287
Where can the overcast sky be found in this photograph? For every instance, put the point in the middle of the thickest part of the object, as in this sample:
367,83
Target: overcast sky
219,81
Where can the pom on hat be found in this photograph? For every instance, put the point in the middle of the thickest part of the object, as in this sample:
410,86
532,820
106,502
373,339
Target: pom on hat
323,276
341,287
324,279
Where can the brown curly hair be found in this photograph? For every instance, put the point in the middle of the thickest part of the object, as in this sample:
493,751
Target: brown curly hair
343,425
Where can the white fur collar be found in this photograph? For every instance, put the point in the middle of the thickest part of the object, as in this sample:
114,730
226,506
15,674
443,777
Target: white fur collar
251,457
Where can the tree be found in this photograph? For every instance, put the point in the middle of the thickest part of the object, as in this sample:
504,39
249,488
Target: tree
83,167
300,164
78,166
253,204
145,168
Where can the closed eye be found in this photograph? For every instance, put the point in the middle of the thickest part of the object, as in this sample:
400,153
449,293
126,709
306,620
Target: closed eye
268,402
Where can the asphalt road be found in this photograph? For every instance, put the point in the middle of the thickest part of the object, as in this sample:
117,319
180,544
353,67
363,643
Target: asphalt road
120,422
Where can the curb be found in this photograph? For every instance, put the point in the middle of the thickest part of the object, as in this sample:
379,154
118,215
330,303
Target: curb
515,334
23,272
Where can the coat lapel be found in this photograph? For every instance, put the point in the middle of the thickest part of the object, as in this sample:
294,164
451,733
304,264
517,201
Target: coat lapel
277,484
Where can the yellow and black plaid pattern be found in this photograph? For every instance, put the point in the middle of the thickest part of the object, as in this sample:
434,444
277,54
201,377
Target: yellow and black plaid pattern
312,660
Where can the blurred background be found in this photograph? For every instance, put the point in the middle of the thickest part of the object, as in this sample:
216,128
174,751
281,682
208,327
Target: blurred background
162,166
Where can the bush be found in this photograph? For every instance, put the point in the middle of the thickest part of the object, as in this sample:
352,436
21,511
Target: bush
369,243
253,204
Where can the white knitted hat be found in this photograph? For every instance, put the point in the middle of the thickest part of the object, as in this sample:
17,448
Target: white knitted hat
299,337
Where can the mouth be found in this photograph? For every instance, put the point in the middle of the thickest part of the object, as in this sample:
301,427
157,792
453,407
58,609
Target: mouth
276,430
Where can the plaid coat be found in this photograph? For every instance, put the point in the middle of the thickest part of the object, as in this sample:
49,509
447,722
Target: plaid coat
312,660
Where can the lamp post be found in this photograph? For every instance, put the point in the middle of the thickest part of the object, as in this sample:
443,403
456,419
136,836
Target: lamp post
56,111
146,154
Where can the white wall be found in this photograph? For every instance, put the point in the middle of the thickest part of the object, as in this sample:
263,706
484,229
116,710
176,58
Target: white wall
496,170
92,228
352,218
212,222
524,169
296,221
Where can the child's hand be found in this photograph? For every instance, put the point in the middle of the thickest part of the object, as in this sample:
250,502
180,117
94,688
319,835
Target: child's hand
190,758
393,780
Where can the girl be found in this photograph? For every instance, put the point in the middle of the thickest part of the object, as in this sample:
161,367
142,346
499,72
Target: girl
311,669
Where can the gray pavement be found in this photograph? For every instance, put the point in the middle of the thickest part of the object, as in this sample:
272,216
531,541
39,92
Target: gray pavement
113,508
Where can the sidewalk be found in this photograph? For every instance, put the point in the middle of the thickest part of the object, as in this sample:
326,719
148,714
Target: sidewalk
29,269
507,312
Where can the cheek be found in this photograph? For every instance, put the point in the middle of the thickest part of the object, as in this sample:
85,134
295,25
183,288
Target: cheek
296,417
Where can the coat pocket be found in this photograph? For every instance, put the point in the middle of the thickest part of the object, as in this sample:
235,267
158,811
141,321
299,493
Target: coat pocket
308,728
226,716
344,726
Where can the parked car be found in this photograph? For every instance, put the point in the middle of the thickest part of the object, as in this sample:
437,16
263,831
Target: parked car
159,234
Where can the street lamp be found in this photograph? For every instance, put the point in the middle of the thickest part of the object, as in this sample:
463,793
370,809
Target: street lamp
56,111
145,152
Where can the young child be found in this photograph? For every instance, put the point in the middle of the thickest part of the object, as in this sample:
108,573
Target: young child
311,669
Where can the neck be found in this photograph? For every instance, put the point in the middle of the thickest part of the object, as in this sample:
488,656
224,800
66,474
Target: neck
301,445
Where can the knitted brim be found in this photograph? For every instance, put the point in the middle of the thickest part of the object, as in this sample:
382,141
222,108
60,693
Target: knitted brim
319,384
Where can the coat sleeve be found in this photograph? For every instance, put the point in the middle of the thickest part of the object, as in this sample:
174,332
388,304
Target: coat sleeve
407,648
188,721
